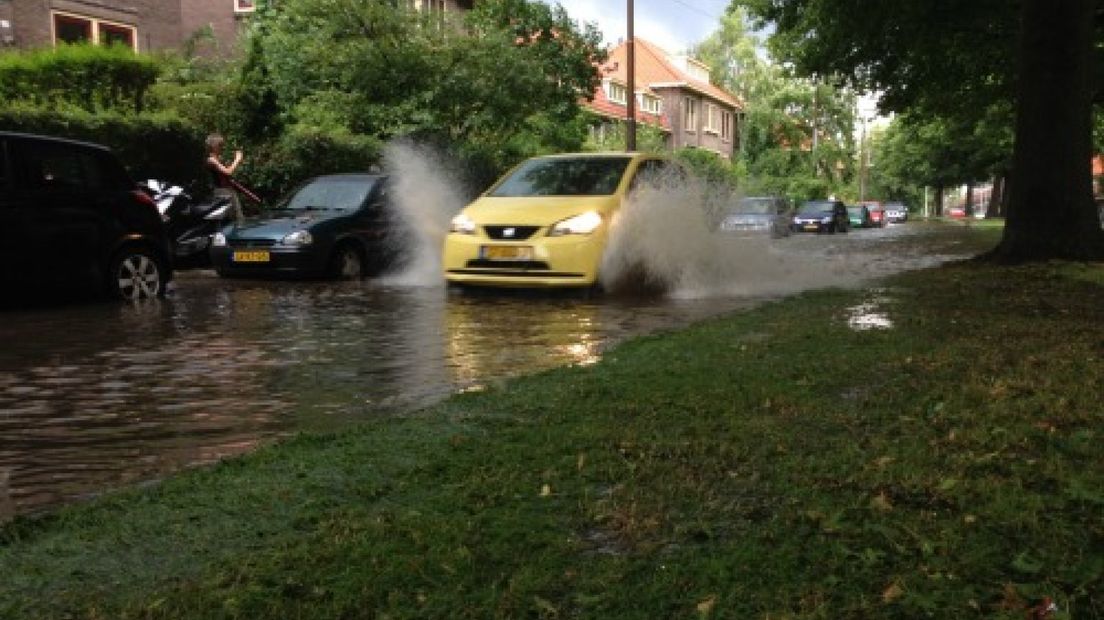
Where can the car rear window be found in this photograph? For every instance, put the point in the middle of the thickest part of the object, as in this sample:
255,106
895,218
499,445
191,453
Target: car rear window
59,166
587,176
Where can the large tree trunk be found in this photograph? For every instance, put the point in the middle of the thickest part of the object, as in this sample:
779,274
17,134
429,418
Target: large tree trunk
1051,213
939,191
993,209
969,204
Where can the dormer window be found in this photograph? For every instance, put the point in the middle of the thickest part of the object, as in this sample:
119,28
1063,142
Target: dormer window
244,6
617,93
651,104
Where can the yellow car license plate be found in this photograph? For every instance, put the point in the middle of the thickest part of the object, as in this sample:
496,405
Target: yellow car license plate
507,252
811,227
252,256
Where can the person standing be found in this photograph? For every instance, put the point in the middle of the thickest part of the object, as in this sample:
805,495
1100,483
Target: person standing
222,174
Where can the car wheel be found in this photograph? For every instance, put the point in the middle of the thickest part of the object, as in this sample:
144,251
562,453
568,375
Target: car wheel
347,263
135,274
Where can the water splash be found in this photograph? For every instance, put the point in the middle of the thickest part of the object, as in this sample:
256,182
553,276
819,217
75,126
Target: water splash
665,239
427,194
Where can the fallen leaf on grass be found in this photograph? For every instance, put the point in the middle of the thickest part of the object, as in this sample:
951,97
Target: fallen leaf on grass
881,502
706,607
545,491
892,593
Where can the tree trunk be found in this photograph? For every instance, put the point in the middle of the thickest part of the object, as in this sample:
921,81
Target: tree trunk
1051,214
968,206
939,200
1006,194
993,209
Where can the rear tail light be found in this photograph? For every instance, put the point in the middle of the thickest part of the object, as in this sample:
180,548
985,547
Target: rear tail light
144,198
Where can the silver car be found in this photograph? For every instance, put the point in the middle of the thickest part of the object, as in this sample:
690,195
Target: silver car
896,212
759,214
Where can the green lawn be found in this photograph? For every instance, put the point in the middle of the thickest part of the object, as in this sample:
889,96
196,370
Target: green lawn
775,463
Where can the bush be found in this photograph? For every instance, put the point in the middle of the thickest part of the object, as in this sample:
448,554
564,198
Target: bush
709,166
91,77
303,152
150,145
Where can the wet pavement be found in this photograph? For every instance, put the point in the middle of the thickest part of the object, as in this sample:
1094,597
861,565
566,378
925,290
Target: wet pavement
101,395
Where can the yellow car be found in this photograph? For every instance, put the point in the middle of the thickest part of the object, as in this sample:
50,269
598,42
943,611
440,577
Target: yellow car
546,222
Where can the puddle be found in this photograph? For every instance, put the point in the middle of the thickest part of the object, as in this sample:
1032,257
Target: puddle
869,315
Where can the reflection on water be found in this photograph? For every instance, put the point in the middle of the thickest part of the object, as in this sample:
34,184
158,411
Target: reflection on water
98,396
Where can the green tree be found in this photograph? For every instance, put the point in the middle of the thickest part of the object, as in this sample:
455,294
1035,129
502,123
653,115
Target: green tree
508,76
796,133
967,55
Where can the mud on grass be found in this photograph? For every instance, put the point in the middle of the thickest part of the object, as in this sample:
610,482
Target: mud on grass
774,463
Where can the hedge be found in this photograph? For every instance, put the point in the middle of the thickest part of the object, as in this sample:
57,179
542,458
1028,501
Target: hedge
157,145
91,77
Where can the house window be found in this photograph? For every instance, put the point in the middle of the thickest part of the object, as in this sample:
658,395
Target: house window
712,118
244,6
111,34
617,93
651,105
690,107
70,28
726,126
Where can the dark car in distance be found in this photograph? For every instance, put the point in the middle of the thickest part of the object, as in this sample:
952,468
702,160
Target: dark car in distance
73,219
859,216
821,216
338,226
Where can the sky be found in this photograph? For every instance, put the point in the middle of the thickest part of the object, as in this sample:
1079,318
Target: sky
674,25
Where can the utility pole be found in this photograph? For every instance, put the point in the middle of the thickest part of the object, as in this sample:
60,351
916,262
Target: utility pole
630,123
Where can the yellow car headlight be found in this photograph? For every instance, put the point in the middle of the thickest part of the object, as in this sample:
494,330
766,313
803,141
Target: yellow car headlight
462,224
582,224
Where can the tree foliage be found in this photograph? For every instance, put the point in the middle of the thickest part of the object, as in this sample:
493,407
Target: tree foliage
510,68
956,60
797,135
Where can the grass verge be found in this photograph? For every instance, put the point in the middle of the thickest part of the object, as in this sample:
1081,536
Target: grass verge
774,463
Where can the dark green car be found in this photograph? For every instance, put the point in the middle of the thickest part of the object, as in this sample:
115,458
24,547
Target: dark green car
859,216
338,226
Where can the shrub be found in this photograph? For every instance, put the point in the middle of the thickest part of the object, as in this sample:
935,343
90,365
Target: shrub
303,152
150,145
91,77
708,165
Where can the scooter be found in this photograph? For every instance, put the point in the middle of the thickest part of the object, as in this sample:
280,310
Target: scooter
190,223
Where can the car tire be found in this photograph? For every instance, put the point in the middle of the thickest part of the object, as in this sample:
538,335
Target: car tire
135,273
347,263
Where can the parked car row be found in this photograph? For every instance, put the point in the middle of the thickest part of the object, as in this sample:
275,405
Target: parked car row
73,212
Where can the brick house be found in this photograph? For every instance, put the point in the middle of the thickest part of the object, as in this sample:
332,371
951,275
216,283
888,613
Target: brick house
145,25
674,94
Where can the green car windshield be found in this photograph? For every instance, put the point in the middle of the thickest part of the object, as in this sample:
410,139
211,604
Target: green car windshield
330,194
584,176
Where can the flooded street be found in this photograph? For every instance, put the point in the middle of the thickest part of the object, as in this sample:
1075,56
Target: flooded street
101,395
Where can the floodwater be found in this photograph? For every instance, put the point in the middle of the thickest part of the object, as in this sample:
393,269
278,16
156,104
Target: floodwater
100,396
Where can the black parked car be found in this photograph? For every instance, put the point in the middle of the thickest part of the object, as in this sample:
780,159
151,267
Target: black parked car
822,216
70,217
339,226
